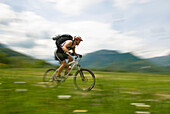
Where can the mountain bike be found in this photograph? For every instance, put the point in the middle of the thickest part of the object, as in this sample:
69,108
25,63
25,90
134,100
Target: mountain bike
84,79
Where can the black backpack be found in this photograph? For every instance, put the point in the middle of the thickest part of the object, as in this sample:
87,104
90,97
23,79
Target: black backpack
61,39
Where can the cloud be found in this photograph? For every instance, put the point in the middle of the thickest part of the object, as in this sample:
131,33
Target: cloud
26,25
125,4
98,35
29,43
72,7
7,14
27,31
23,29
30,33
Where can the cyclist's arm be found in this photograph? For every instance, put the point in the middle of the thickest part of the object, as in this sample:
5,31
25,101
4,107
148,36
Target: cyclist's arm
74,52
67,44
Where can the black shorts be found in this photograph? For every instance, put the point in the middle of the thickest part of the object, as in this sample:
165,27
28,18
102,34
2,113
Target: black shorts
60,55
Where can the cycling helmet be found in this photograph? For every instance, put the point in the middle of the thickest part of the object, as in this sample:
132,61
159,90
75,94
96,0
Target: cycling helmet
78,38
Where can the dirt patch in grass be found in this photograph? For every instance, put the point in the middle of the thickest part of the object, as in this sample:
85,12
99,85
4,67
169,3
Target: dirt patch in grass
163,96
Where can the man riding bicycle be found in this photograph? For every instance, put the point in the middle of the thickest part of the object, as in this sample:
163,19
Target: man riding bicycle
63,52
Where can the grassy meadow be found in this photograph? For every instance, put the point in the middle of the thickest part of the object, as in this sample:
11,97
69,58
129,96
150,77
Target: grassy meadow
114,93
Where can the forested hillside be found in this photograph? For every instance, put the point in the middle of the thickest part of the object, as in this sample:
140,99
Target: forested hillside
111,60
11,58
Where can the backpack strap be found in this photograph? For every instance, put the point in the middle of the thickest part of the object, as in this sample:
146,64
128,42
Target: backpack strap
71,45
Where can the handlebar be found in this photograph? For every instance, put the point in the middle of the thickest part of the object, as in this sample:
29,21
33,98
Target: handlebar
77,56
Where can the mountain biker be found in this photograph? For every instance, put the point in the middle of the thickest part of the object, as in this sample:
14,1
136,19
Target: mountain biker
61,54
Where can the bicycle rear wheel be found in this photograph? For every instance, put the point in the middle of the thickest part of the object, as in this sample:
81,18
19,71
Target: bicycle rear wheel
48,77
84,80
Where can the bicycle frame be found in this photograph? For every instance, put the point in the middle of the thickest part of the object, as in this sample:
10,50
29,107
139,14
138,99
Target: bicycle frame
85,75
73,63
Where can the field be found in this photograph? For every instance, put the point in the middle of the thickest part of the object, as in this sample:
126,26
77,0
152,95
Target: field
114,93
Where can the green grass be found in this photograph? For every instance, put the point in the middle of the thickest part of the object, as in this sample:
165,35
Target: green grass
112,94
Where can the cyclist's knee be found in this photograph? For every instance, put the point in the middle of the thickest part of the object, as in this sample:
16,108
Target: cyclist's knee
70,58
64,63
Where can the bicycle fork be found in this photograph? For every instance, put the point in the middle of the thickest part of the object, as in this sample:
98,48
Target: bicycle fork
81,73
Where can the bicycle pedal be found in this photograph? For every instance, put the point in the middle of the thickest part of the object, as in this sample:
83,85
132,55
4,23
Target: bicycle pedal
58,81
52,79
57,78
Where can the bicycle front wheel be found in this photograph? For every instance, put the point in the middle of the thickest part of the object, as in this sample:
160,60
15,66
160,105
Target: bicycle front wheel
48,77
84,80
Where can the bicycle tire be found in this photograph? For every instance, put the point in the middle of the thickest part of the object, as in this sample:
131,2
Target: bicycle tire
89,78
46,78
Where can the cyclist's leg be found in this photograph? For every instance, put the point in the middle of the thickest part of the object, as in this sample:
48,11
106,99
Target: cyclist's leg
62,66
70,59
62,58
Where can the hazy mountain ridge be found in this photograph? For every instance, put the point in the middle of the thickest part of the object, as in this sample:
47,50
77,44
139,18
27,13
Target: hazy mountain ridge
162,61
115,61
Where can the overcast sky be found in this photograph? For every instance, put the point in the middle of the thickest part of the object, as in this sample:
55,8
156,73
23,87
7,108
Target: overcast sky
138,26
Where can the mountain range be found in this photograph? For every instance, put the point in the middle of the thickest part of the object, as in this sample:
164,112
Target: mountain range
112,60
107,60
162,61
11,58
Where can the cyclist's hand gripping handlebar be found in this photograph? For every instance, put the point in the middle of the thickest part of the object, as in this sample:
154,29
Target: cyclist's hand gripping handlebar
71,54
80,56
